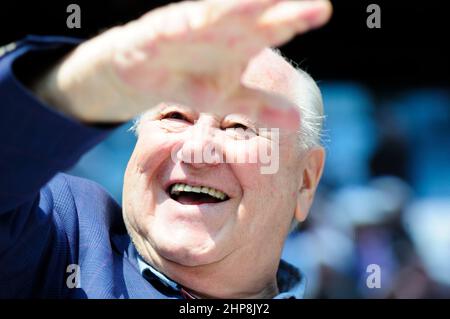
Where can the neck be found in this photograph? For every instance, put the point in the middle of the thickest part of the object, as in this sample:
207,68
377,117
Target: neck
268,292
219,281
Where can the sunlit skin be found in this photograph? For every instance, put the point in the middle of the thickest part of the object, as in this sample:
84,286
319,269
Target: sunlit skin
193,53
229,249
194,65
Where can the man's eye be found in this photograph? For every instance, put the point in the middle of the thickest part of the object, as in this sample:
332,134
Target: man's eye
238,126
240,131
175,116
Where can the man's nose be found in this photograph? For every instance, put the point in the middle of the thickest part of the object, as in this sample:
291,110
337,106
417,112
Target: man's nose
201,147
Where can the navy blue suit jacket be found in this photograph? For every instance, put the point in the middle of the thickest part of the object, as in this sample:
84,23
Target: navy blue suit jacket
51,221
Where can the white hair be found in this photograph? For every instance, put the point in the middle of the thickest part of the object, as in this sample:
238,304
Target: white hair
311,110
308,97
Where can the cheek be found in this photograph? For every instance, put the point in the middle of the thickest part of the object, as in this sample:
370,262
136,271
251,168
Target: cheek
242,159
246,166
263,208
152,150
245,161
154,145
268,199
250,156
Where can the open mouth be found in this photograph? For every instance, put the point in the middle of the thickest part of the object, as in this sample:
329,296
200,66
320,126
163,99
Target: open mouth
195,195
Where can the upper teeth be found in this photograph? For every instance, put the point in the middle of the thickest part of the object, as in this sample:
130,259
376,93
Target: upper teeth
177,188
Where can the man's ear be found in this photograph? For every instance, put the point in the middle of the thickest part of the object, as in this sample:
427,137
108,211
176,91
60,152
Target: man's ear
312,168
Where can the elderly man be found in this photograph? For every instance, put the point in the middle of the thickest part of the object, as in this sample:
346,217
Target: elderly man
188,228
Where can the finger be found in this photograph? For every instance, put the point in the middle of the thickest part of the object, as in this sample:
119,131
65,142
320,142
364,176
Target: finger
284,20
243,8
269,110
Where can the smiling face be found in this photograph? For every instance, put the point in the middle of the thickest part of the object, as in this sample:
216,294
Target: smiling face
217,226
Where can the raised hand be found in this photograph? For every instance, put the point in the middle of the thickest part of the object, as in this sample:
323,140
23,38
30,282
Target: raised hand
190,52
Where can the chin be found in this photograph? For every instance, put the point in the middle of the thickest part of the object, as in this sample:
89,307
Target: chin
188,249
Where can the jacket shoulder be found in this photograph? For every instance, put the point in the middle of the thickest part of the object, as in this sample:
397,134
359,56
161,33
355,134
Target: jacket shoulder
70,194
93,205
63,182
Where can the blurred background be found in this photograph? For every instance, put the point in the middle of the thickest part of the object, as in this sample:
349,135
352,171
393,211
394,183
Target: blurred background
385,195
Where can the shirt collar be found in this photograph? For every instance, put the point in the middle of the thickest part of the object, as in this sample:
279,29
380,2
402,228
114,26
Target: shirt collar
291,282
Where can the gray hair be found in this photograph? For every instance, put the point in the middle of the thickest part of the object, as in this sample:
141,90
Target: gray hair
311,110
308,97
